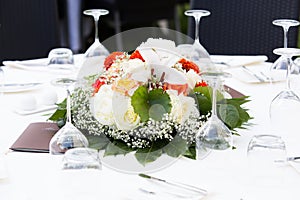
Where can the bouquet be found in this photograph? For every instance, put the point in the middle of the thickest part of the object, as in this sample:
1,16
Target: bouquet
150,102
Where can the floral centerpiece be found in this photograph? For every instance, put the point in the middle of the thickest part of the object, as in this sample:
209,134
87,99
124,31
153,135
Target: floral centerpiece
150,102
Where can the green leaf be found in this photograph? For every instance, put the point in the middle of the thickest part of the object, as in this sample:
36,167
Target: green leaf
139,101
116,148
150,105
191,152
176,147
229,114
160,104
148,155
98,142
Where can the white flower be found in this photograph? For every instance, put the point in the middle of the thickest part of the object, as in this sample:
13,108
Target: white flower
182,106
101,105
192,78
125,117
137,69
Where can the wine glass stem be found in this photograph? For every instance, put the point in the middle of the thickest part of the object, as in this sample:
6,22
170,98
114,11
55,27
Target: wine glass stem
96,19
214,101
288,74
285,37
69,119
197,22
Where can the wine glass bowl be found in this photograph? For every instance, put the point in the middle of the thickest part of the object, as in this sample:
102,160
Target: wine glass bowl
214,134
96,49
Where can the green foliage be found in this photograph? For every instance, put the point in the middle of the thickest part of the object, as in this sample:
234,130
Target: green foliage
153,104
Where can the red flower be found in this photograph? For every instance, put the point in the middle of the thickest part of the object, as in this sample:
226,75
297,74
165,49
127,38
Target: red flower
97,85
136,54
187,65
110,59
201,84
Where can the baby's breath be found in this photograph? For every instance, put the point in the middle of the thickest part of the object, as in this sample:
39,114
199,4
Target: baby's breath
139,137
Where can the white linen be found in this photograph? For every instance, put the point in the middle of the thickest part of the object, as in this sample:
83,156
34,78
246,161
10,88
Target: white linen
225,174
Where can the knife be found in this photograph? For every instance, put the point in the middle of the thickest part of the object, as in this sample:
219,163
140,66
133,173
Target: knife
179,185
254,74
19,84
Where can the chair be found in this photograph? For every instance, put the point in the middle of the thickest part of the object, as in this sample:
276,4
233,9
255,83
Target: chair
29,28
136,13
243,27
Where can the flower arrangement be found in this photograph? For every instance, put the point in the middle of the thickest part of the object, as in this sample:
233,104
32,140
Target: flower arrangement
150,102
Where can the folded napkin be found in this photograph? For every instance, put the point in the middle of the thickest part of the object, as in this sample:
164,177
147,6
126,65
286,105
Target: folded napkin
237,61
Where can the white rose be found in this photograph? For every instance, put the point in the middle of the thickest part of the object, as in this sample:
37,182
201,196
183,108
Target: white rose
182,106
101,105
124,115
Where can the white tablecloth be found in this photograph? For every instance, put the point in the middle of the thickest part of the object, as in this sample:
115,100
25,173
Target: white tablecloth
225,174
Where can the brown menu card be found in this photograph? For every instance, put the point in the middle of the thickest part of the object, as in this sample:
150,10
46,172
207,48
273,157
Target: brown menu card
36,137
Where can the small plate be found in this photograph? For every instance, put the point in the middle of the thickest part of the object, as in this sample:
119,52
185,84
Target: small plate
37,110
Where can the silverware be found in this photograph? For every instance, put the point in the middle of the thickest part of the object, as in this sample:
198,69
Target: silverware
179,185
296,158
258,77
20,84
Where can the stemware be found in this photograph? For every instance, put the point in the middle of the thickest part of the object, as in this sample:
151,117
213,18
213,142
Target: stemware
96,49
198,53
283,108
68,136
266,155
281,62
214,134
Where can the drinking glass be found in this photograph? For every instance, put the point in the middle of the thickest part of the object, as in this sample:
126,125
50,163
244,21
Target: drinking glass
1,82
96,49
284,107
198,53
68,136
266,155
214,134
281,62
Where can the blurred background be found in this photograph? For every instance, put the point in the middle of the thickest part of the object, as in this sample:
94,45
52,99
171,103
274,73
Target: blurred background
31,28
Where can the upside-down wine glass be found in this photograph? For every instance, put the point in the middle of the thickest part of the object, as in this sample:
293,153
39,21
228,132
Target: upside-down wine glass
214,134
281,62
96,49
198,53
68,136
284,107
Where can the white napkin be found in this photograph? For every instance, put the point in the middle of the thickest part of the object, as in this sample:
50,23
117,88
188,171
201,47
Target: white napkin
42,65
261,69
237,61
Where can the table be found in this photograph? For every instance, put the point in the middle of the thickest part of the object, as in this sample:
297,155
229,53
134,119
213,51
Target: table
225,174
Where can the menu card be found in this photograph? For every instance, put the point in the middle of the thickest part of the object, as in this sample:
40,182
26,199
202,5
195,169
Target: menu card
36,137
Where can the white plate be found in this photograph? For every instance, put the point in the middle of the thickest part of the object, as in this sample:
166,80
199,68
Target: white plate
22,87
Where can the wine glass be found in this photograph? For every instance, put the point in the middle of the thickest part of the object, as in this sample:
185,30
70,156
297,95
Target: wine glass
96,49
283,108
266,155
214,134
281,62
68,136
198,53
